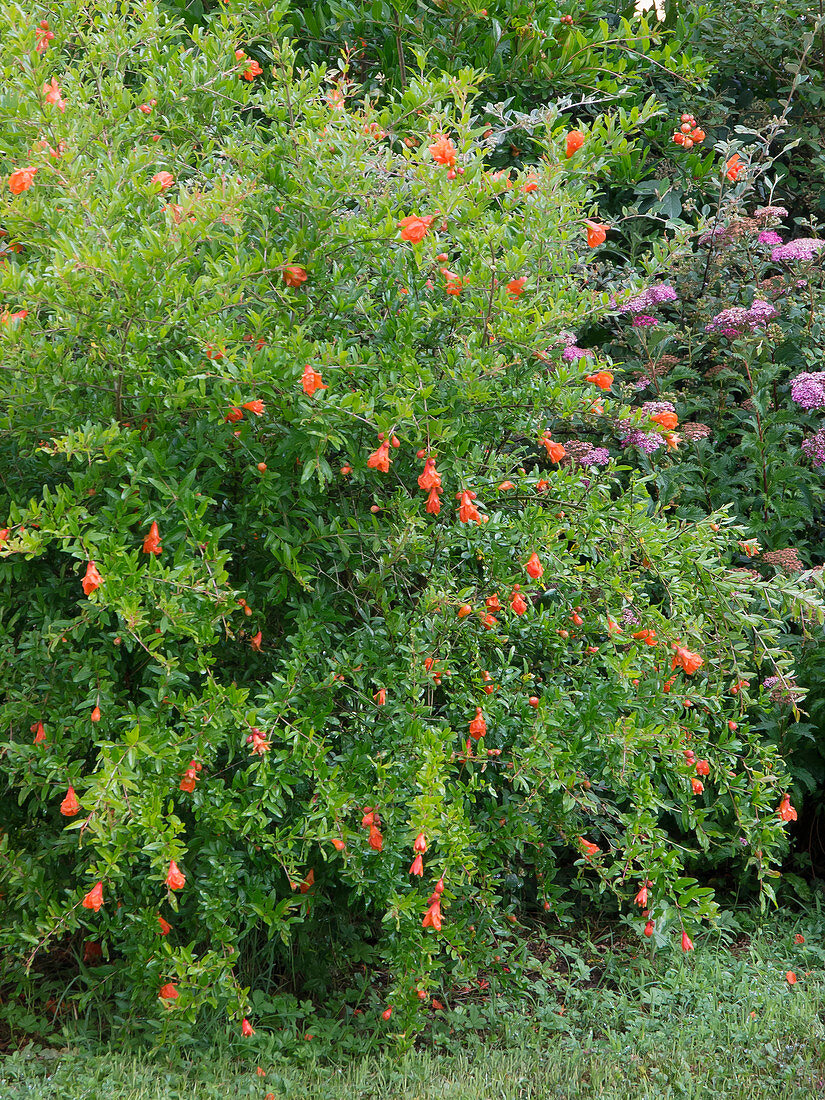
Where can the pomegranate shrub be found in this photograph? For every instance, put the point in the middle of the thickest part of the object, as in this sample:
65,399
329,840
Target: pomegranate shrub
318,626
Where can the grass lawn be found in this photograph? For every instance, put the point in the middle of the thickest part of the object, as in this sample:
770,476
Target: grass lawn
723,1022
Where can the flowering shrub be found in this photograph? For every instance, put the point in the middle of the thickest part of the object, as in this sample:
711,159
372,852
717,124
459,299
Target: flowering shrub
325,625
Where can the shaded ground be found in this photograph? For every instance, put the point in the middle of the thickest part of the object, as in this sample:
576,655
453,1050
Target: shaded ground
611,1022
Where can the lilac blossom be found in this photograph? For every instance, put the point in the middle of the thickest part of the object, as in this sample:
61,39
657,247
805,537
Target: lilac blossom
814,447
808,389
803,248
599,456
572,353
712,235
653,407
645,441
648,299
734,321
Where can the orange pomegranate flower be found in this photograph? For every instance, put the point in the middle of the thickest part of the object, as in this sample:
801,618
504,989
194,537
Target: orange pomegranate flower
414,227
338,844
596,233
69,806
590,848
575,140
255,406
430,478
52,94
467,512
256,642
380,697
308,882
92,580
454,282
94,899
785,810
464,611
21,180
515,288
252,70
165,926
733,167
380,458
234,415
687,942
175,880
247,1028
432,918
43,36
505,486
164,180
603,379
417,866
259,743
478,727
686,660
517,602
420,843
555,451
294,275
443,151
168,992
667,420
433,503
151,544
311,380
39,733
492,603
534,566
376,840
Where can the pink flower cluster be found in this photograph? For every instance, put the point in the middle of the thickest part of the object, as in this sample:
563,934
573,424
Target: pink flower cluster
808,389
803,248
737,319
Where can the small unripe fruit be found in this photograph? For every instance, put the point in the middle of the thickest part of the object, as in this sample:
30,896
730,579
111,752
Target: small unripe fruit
533,700
261,466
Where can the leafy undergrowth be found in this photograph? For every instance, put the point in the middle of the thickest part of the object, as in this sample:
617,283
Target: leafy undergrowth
594,1019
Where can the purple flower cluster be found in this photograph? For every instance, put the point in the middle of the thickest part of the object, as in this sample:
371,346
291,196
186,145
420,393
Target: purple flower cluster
653,407
803,248
769,236
644,320
571,353
734,321
645,441
808,389
649,299
712,235
814,447
599,456
765,212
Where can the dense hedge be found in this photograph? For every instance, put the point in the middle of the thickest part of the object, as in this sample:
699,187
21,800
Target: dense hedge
315,562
